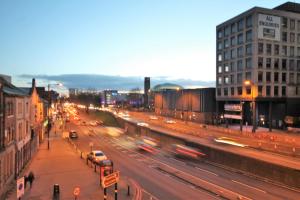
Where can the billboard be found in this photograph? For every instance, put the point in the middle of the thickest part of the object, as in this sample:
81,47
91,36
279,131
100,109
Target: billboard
269,27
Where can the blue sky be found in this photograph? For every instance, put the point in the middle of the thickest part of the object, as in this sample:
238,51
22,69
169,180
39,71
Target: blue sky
174,38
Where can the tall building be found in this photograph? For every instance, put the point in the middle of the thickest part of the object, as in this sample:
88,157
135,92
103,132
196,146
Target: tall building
146,91
258,65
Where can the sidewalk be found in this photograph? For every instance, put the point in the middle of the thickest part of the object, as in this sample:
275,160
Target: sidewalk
61,165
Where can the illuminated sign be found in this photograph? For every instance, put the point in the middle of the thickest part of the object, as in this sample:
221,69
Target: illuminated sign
233,107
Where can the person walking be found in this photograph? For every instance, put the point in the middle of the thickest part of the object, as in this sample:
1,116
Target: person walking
31,178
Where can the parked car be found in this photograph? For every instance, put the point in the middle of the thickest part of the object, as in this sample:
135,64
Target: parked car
73,134
96,156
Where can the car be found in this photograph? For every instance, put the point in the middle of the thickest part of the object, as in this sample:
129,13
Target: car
148,144
142,124
73,134
170,121
96,156
230,141
153,117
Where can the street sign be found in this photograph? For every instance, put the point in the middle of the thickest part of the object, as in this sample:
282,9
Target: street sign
110,179
76,191
20,187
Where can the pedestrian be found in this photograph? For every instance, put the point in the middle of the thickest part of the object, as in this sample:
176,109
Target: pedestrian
31,178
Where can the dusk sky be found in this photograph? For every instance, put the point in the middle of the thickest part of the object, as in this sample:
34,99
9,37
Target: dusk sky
174,38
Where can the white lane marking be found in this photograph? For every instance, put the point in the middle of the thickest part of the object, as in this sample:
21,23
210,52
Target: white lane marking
206,171
249,186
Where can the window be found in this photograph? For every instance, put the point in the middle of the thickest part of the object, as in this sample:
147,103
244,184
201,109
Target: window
298,25
260,62
248,90
232,66
260,76
283,91
284,22
232,41
219,91
260,48
240,90
219,69
219,45
291,78
292,37
276,77
268,76
226,55
260,89
239,78
233,53
268,63
226,43
226,30
298,78
248,63
226,80
276,63
240,52
298,51
249,21
298,65
240,38
268,90
248,76
240,65
219,57
276,49
269,49
249,49
292,24
220,80
283,64
298,38
220,34
225,91
283,77
284,37
292,51
232,79
233,28
20,108
226,67
249,36
291,65
232,91
284,51
240,25
275,90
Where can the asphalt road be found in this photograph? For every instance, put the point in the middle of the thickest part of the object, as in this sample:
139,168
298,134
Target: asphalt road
163,176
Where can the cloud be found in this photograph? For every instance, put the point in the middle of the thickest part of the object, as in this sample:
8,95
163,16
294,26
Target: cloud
101,82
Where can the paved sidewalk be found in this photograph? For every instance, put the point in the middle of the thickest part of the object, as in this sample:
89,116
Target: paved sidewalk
61,165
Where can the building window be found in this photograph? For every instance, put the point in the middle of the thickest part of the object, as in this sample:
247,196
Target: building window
260,62
226,55
268,76
220,80
219,69
240,65
284,22
233,28
291,78
219,45
226,80
240,25
276,77
292,24
292,65
248,76
232,66
260,76
298,38
233,53
225,91
260,90
248,90
298,51
283,91
283,64
249,49
226,68
283,77
249,21
260,48
231,79
232,41
276,49
240,52
219,57
298,65
275,90
292,37
298,78
220,34
240,90
284,51
240,38
298,25
292,51
226,31
268,63
249,36
219,91
232,91
226,43
248,63
239,78
269,49
284,37
268,90
276,63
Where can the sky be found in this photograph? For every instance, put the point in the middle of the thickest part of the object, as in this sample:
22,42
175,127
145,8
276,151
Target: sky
172,38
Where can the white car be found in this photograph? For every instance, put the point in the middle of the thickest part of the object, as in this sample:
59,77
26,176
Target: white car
169,121
142,124
96,156
153,117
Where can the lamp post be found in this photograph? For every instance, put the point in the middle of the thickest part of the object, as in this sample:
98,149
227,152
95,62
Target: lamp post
249,83
49,104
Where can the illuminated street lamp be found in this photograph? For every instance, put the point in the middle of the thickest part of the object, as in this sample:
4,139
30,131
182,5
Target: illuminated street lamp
249,83
49,104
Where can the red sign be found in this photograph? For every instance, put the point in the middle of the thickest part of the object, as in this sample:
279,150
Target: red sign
76,191
110,179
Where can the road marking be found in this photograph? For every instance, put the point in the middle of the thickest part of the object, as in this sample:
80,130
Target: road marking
206,171
249,186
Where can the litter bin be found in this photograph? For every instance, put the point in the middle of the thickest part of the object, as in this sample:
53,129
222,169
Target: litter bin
56,190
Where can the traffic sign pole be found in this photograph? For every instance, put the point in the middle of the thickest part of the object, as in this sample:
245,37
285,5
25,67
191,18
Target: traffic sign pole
105,194
116,191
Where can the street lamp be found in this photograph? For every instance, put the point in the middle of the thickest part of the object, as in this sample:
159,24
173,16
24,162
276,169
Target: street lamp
49,104
249,83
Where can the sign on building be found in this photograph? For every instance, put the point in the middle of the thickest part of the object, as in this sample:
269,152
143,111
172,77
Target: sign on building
233,107
231,116
269,27
20,187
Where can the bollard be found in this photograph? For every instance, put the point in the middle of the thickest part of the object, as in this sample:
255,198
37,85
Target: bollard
81,154
294,149
105,194
128,190
95,170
